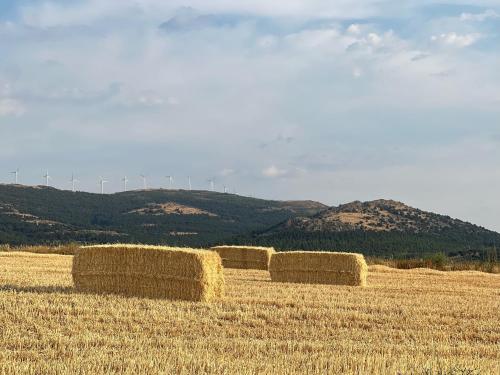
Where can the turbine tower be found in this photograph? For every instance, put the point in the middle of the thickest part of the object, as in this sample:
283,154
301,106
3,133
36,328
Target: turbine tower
102,181
16,174
47,178
211,181
73,182
144,182
125,180
189,182
170,181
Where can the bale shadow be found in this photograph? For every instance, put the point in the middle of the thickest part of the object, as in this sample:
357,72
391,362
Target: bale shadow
37,289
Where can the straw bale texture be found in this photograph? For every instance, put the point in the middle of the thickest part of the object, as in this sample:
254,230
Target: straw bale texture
149,271
245,257
319,268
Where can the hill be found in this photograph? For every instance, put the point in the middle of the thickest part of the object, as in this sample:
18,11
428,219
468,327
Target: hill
41,215
380,228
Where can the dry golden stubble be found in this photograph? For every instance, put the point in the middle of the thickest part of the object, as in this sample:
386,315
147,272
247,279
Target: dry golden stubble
408,322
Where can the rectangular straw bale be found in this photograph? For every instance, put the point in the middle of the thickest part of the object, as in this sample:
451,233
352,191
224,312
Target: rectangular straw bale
149,271
245,257
319,268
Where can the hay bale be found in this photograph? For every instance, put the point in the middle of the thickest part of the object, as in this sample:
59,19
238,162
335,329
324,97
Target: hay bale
149,271
245,257
319,268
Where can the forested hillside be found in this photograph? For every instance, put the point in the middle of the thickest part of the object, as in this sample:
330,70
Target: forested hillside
41,215
381,228
38,215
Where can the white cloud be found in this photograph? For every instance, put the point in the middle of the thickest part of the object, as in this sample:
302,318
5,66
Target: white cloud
49,14
357,72
354,29
335,40
374,39
11,107
227,172
273,172
172,100
314,38
479,17
457,40
267,41
150,101
5,89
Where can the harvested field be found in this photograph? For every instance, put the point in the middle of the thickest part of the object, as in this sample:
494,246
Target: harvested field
245,257
149,271
319,268
61,250
405,321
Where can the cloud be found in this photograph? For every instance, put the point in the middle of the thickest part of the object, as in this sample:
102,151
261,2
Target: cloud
274,172
443,74
480,17
357,72
371,42
152,99
261,83
50,14
314,38
279,140
172,100
11,107
420,56
188,19
374,39
62,13
227,172
456,40
354,29
5,89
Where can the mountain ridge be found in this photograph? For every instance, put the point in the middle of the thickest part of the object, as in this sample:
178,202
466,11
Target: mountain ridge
42,214
45,215
381,215
381,228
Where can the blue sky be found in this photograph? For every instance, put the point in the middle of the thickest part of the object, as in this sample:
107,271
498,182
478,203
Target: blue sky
325,100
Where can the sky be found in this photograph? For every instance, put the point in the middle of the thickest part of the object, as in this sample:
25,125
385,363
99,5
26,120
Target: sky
332,101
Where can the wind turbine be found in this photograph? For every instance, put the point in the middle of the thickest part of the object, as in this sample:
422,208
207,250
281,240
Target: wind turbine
144,182
73,182
211,181
16,174
102,181
47,178
189,182
170,181
225,189
125,180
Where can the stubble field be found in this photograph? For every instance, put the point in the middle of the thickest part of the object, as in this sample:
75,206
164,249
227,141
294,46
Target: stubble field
405,322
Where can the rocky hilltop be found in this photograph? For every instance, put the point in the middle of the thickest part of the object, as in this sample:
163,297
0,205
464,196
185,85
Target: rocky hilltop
380,216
